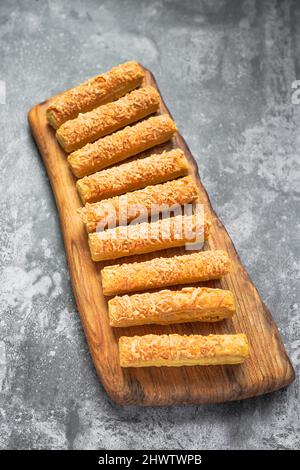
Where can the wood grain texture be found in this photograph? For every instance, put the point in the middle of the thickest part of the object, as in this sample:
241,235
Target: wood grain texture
268,367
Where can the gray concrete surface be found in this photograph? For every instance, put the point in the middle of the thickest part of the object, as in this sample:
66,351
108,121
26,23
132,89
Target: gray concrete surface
225,69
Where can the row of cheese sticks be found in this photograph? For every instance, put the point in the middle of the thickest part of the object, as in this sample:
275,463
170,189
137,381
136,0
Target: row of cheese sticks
88,119
92,136
165,307
112,244
94,92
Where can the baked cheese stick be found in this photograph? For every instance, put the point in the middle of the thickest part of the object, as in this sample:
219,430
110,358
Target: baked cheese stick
176,350
121,145
146,237
132,176
143,203
108,118
162,272
189,304
98,90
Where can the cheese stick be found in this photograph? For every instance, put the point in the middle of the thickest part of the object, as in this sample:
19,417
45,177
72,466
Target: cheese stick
143,203
146,237
176,350
189,304
132,175
108,118
121,145
162,272
98,90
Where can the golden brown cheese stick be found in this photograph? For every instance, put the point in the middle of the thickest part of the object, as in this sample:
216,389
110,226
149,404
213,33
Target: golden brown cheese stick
162,272
146,237
108,118
132,176
176,350
190,304
143,203
121,145
98,90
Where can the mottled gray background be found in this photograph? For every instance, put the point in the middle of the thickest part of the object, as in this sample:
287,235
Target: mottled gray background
225,69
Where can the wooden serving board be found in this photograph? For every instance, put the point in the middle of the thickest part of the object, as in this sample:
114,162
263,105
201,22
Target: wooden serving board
268,367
